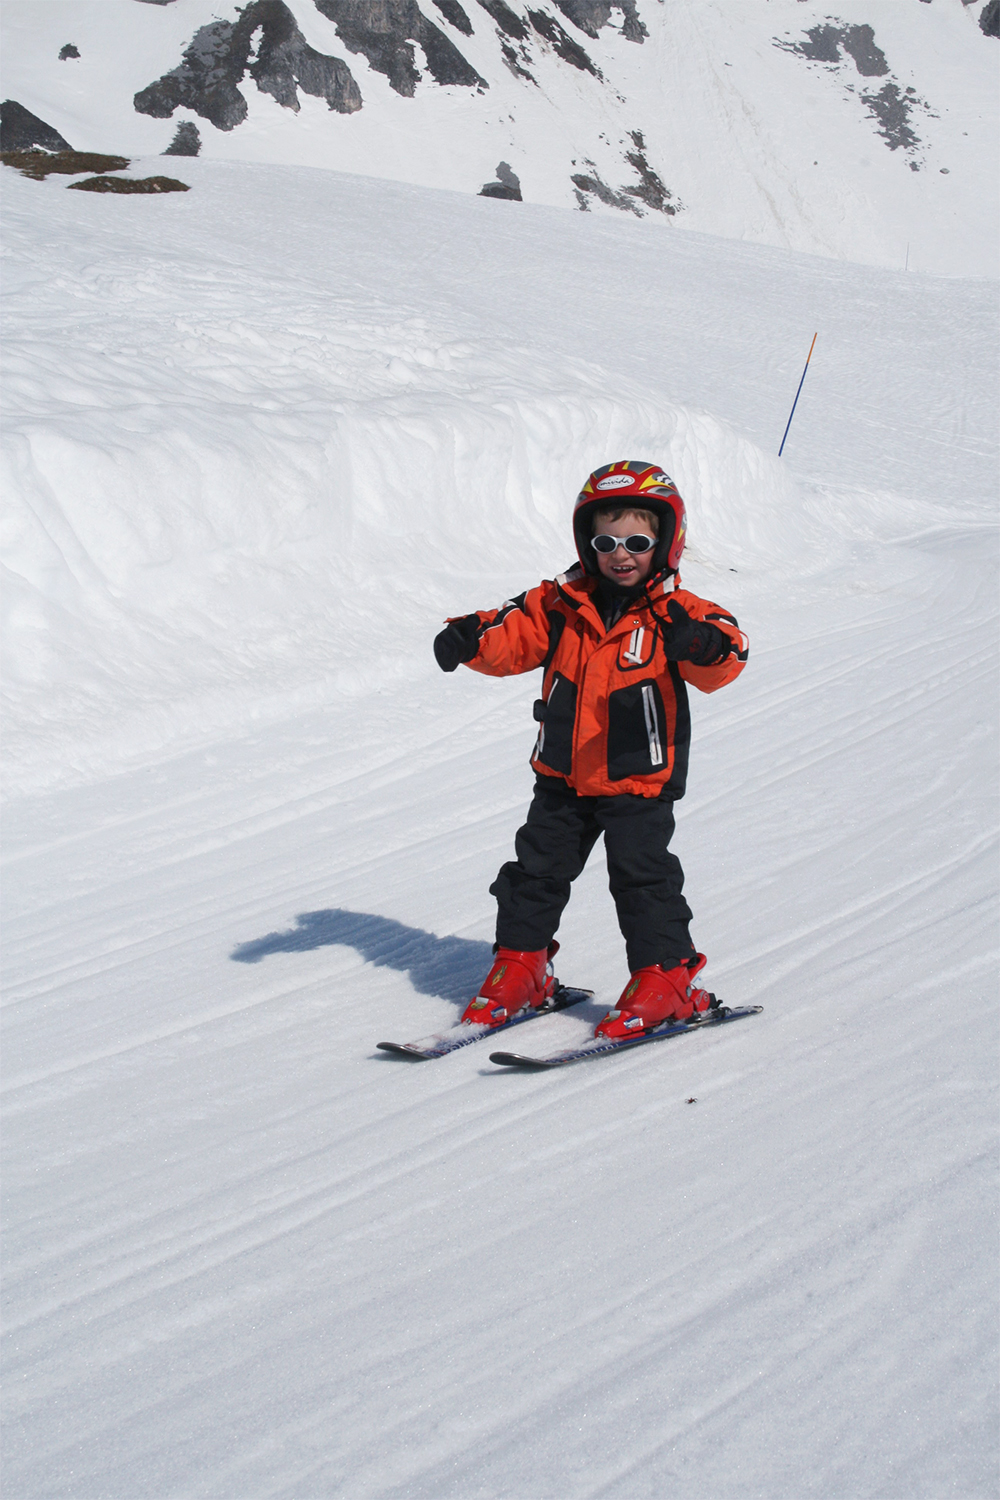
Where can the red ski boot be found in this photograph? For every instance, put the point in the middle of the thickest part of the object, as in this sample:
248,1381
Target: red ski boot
515,981
656,994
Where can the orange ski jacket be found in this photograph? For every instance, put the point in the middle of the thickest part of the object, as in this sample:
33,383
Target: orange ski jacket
614,712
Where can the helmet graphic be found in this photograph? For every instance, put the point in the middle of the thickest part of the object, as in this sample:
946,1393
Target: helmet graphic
632,483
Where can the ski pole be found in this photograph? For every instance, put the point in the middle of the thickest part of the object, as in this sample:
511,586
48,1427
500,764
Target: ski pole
798,394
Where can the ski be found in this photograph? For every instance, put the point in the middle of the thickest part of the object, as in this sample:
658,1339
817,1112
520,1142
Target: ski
440,1043
600,1046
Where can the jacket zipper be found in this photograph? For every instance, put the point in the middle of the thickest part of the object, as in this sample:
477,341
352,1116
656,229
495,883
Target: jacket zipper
652,732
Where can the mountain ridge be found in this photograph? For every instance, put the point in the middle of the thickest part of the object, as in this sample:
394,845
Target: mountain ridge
860,134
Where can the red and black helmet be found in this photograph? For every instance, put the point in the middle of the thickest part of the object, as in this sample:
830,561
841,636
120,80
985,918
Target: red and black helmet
644,486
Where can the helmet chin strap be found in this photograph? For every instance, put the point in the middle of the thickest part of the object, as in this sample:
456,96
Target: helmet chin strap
657,578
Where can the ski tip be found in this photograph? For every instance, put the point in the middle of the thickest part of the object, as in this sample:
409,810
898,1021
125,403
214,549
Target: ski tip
516,1060
400,1049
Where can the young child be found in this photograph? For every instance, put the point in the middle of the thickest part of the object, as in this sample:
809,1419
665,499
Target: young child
617,639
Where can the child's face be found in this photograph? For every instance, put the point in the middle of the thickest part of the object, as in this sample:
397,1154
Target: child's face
628,568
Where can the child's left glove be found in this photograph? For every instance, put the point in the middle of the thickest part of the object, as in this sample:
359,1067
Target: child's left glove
457,642
696,641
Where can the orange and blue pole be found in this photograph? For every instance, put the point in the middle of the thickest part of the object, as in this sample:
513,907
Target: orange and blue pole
798,394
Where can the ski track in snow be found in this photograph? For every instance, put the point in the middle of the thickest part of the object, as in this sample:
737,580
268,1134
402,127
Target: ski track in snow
251,832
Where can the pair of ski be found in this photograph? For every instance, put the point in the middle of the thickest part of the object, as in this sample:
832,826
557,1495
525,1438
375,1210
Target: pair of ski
466,1032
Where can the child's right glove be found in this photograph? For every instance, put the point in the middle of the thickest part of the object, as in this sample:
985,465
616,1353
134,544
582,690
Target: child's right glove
696,641
457,642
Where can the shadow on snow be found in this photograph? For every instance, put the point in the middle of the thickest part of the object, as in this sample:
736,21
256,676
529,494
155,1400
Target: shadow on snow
451,967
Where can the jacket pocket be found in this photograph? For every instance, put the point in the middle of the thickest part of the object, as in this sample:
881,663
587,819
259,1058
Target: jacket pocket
637,731
636,649
555,738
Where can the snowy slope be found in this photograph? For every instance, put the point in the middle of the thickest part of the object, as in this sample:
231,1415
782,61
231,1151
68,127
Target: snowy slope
260,438
867,133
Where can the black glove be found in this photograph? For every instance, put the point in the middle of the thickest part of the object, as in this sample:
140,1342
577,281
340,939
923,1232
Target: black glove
696,641
457,642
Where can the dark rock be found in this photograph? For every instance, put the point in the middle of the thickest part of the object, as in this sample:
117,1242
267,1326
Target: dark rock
650,190
20,130
507,22
892,111
285,58
453,12
186,141
891,106
384,31
510,30
68,51
214,63
561,44
218,58
824,43
587,16
632,28
515,63
444,61
131,185
591,184
590,15
507,185
989,20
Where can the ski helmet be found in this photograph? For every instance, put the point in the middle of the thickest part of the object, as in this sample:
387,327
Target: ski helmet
631,483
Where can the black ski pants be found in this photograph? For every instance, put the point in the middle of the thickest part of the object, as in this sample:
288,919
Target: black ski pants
552,848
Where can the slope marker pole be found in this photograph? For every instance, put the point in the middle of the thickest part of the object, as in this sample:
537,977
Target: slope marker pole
798,393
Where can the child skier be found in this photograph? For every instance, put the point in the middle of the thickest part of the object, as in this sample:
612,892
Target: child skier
617,639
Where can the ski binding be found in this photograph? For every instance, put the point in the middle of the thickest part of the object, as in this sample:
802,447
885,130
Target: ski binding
440,1043
599,1046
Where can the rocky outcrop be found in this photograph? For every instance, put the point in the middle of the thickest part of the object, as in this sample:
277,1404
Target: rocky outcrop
989,19
68,51
512,34
453,12
507,185
384,32
507,22
218,59
891,107
20,130
589,16
649,189
562,45
589,185
823,44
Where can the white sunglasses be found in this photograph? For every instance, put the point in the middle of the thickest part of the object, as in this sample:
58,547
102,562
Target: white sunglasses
636,544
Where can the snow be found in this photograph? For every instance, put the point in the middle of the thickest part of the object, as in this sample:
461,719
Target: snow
260,439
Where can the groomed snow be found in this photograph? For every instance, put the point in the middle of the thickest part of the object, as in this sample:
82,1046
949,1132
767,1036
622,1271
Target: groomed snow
261,437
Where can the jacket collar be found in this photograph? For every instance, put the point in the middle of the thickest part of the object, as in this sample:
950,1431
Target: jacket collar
577,589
